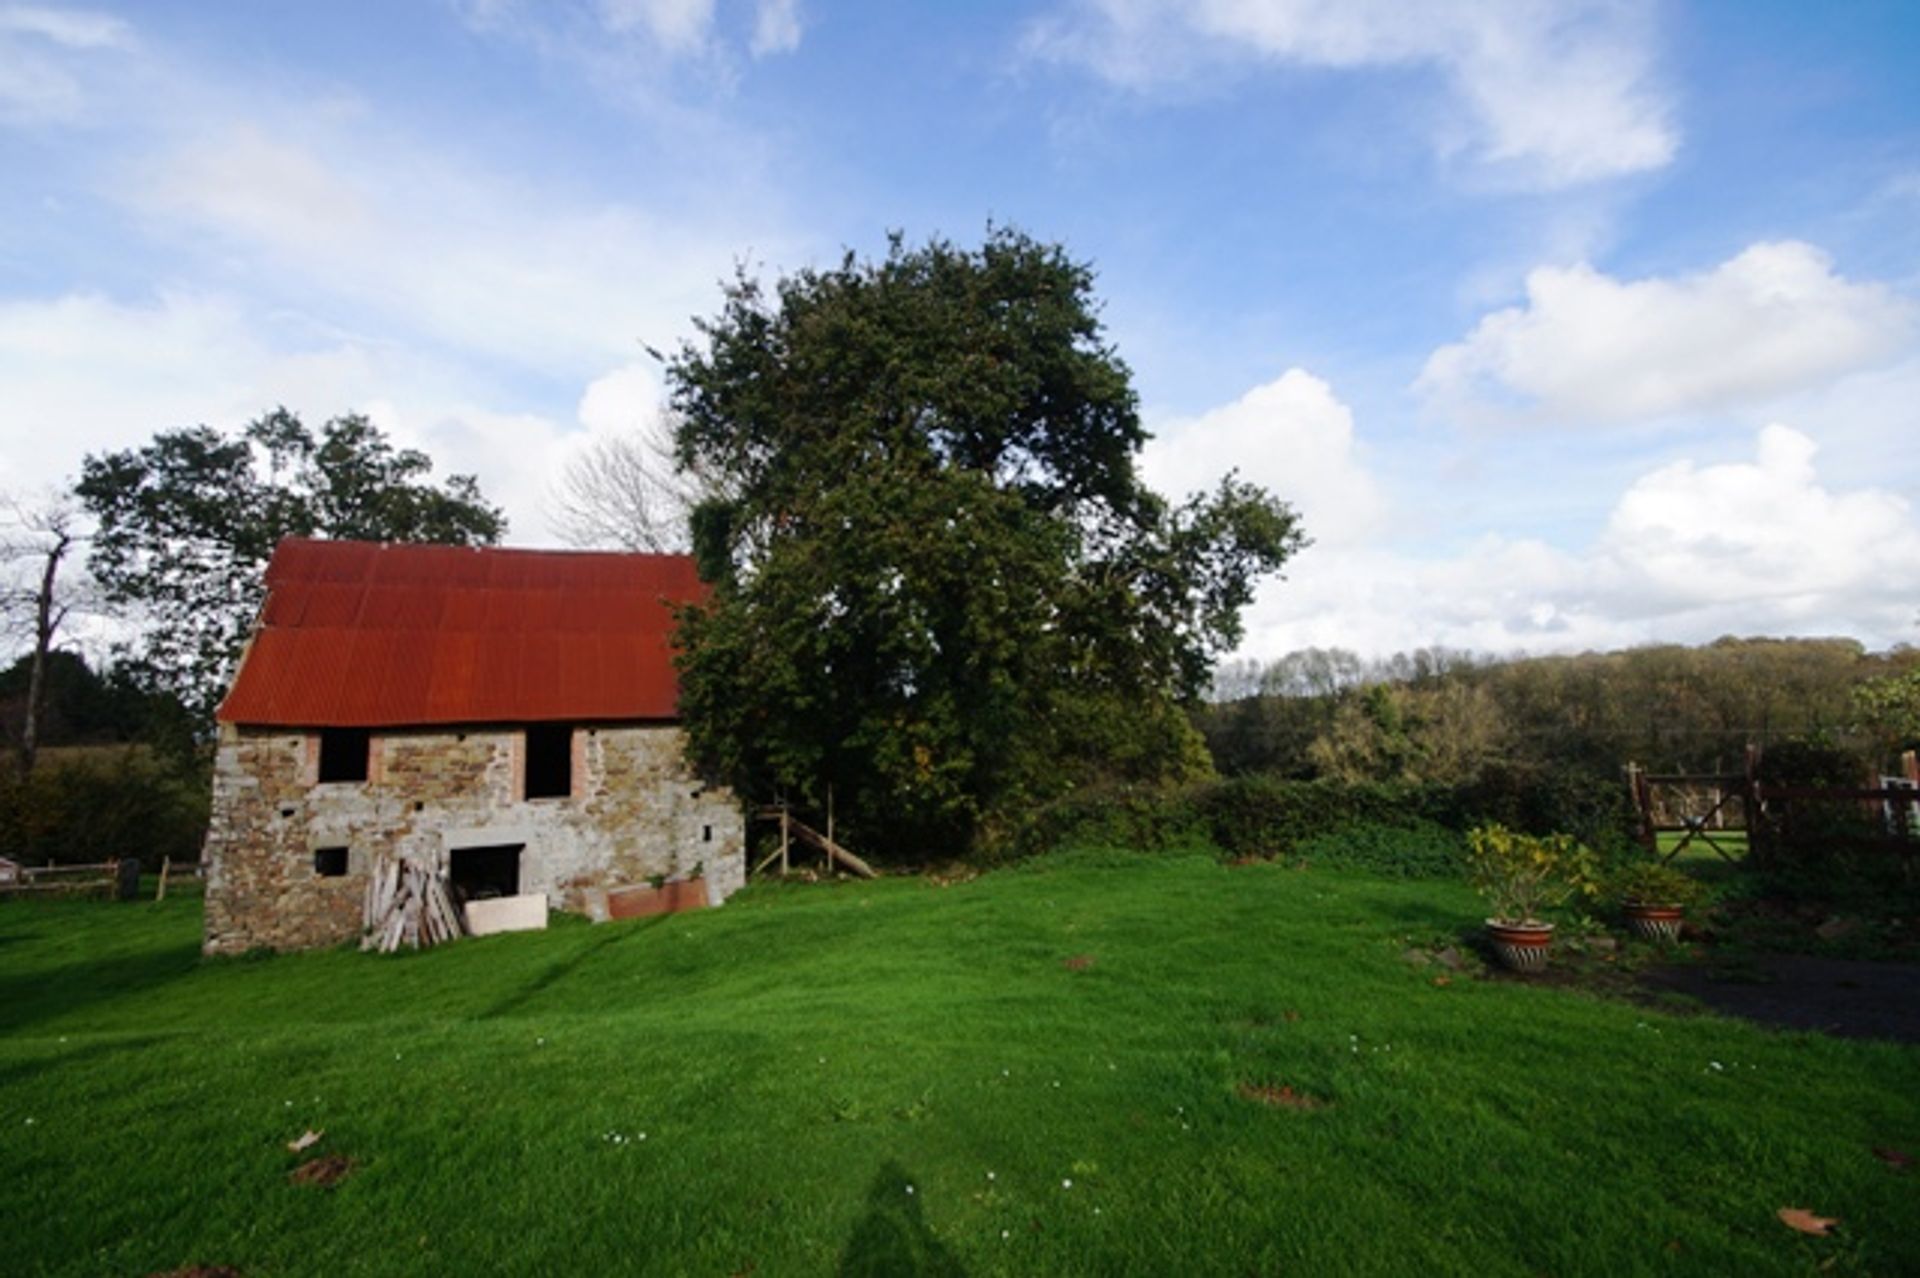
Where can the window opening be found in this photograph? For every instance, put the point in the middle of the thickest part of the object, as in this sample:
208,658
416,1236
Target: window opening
344,753
330,863
480,873
549,761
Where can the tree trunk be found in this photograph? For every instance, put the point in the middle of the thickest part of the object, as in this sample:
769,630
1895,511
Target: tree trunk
45,622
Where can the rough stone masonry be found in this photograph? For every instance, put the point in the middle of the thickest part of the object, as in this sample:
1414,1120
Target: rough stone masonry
289,854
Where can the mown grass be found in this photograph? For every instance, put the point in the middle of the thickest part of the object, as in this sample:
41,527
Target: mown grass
1698,850
898,1077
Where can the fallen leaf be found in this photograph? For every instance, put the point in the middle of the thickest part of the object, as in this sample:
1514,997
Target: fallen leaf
1078,963
1443,980
1292,1014
1806,1222
1283,1096
306,1140
1898,1159
324,1172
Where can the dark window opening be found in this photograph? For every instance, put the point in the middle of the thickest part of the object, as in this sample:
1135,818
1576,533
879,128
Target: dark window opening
480,873
706,834
344,753
330,863
549,761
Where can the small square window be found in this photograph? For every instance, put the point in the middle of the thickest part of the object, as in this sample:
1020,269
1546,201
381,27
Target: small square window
330,863
344,753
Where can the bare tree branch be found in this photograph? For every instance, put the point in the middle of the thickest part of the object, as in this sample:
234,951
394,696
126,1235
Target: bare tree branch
38,535
628,492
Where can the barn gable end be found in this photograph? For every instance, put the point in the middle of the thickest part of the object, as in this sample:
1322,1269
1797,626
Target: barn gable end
389,703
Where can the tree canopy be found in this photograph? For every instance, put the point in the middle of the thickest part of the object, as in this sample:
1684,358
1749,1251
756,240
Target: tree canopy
941,588
187,523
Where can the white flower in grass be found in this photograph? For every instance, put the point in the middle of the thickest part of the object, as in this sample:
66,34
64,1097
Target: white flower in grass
1006,1233
1066,1184
990,1176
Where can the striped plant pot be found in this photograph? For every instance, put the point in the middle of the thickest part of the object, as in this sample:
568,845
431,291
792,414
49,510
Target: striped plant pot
1521,946
1652,922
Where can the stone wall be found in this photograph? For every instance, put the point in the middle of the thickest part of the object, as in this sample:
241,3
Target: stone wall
636,812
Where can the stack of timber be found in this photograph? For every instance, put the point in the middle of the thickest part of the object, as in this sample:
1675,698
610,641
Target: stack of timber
407,904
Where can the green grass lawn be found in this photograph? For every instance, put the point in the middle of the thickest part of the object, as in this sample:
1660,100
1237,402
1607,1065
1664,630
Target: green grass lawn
1697,850
898,1077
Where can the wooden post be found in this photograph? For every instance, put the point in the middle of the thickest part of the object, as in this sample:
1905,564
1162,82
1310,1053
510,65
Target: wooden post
1643,806
824,851
1910,765
784,837
1758,849
166,863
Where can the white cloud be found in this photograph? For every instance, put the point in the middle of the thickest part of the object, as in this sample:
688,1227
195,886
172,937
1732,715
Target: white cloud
39,82
74,28
776,27
464,258
1588,347
679,26
1690,552
83,374
1291,436
1552,93
613,39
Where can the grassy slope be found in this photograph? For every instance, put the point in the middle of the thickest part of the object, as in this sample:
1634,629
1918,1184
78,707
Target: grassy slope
799,1058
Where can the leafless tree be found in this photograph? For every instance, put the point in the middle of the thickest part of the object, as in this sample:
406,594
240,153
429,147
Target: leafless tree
38,535
628,492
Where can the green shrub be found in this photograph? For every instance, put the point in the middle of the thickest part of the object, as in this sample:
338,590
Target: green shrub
1150,818
1420,850
1594,808
100,804
1836,850
1403,830
1648,882
1522,876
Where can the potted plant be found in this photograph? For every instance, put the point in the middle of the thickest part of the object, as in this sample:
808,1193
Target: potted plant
1522,876
1654,898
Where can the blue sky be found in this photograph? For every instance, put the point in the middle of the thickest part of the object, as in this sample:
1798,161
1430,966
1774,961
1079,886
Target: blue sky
1565,325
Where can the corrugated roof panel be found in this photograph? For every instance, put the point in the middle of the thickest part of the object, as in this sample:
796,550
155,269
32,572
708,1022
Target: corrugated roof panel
452,675
358,634
464,608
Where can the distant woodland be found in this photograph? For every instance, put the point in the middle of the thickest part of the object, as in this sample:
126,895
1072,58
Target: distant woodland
1443,716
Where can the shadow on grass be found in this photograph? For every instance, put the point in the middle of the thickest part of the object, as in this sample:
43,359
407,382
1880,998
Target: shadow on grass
892,1240
29,998
554,973
26,1071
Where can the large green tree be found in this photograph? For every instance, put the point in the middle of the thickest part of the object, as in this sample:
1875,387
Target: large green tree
940,587
187,522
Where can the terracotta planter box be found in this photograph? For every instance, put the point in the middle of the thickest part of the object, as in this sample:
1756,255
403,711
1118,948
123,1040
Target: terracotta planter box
668,898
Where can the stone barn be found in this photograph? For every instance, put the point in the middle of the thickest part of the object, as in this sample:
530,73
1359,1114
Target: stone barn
506,717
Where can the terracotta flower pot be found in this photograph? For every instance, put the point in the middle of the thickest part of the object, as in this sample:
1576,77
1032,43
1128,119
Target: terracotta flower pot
1653,922
1521,946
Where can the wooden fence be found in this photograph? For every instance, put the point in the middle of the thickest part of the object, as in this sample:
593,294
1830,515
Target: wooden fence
108,879
1774,817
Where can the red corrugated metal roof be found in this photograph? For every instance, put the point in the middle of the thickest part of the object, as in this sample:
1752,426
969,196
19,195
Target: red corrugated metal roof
370,635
